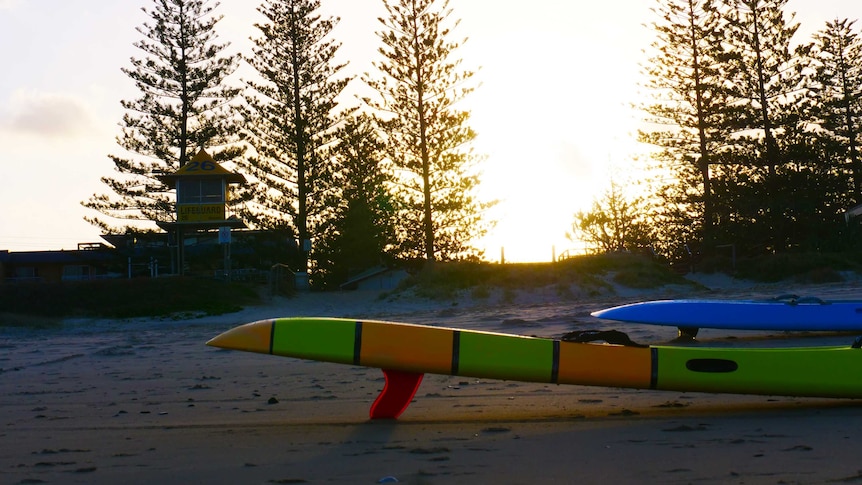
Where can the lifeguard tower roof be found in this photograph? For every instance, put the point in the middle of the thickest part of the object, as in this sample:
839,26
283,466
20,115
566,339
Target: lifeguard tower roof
202,165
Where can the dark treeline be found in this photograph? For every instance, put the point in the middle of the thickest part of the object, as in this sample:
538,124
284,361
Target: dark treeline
755,134
755,131
391,177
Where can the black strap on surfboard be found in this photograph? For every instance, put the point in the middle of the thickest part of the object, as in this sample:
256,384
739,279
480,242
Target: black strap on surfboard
610,336
792,299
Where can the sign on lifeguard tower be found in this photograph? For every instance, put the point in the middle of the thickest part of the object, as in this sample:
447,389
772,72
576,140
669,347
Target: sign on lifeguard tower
202,192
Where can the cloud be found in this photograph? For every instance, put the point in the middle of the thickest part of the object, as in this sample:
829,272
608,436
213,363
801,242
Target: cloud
9,4
47,114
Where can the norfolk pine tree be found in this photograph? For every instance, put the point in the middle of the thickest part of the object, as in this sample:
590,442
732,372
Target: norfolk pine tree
290,119
836,92
183,106
763,70
358,228
686,114
425,135
766,85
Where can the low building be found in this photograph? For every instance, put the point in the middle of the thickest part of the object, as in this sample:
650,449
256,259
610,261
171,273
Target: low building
151,254
90,261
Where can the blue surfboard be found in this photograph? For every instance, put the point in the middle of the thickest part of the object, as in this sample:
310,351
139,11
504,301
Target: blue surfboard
788,313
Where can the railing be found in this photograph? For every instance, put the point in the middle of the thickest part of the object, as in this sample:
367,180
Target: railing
106,276
571,253
41,279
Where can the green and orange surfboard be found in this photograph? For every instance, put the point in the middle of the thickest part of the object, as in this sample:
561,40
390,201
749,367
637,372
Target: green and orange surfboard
406,352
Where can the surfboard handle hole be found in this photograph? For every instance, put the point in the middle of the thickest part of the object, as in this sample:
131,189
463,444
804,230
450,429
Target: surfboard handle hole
711,365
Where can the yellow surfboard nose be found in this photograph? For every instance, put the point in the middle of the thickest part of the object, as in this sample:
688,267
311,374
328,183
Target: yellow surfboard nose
251,337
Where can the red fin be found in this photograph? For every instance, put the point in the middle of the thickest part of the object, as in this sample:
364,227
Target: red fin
396,395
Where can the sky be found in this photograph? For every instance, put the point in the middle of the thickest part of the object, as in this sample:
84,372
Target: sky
554,82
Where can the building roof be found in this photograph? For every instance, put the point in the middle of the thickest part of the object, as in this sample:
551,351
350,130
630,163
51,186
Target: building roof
202,165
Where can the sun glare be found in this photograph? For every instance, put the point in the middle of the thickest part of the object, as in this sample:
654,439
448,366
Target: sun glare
554,136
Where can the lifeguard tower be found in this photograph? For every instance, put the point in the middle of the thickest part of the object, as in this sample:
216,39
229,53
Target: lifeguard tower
202,201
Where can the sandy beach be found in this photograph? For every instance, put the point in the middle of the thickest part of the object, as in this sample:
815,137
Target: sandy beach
145,401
